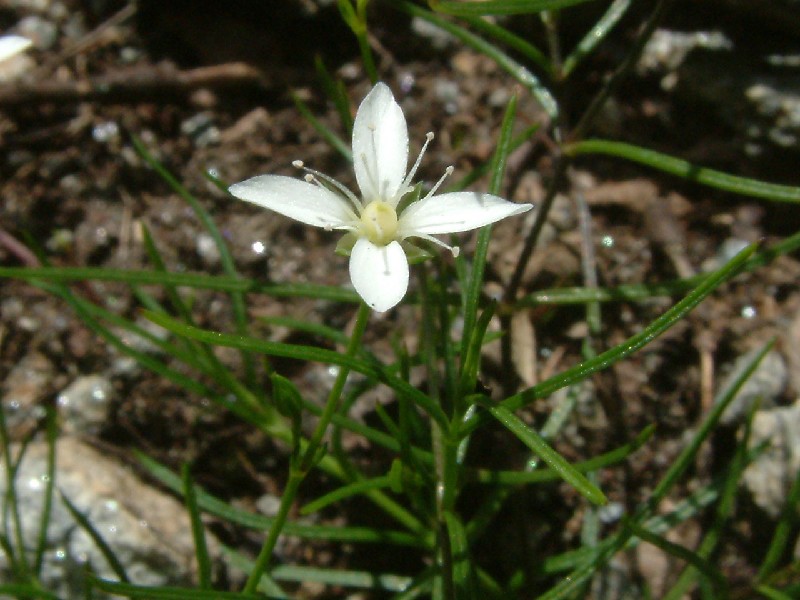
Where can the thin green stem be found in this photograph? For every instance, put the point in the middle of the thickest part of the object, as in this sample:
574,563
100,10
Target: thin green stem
366,56
622,71
310,455
430,343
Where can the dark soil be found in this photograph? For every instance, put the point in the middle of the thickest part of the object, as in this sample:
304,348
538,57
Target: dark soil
73,187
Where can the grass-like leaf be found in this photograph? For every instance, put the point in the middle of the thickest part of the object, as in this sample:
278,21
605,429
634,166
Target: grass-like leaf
47,504
782,535
128,590
198,530
653,330
595,35
681,168
194,280
326,132
519,72
22,591
225,256
335,91
603,552
773,594
477,8
85,524
473,286
219,508
346,491
463,583
352,579
529,437
15,549
678,551
513,41
308,353
542,475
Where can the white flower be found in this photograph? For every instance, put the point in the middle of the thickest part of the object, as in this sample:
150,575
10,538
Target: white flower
378,257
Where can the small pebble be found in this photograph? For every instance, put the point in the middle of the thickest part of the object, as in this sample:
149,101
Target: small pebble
85,404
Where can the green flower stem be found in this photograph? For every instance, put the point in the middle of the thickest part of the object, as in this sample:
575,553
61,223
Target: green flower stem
443,442
310,455
366,56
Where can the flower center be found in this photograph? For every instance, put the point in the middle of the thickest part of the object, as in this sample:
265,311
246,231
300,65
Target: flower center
379,222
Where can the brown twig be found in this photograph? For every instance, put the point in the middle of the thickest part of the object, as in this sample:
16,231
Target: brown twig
131,84
90,39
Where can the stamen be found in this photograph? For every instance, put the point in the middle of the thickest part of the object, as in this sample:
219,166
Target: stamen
370,174
407,181
454,250
447,172
311,177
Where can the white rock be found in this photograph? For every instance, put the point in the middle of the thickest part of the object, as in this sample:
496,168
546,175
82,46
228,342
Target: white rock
148,531
769,477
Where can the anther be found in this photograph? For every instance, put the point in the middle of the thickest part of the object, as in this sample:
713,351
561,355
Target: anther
314,176
407,181
447,172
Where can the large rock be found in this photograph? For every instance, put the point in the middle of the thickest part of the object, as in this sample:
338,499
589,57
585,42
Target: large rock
148,531
770,476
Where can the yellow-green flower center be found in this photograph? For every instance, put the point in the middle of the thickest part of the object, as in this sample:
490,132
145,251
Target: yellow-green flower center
379,222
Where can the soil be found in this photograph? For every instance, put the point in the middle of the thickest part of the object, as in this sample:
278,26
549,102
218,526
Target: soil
74,189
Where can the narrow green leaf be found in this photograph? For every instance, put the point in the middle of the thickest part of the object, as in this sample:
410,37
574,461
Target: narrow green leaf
782,535
595,35
266,583
47,504
217,507
353,579
84,310
463,581
687,456
334,90
226,258
308,353
197,280
523,75
675,166
17,553
346,491
772,593
513,41
499,7
470,364
685,460
168,593
635,342
542,449
26,590
473,287
326,132
541,475
678,551
309,327
98,539
198,530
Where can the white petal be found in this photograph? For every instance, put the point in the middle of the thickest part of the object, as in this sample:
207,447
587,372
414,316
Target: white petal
298,200
380,146
379,273
10,45
456,212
